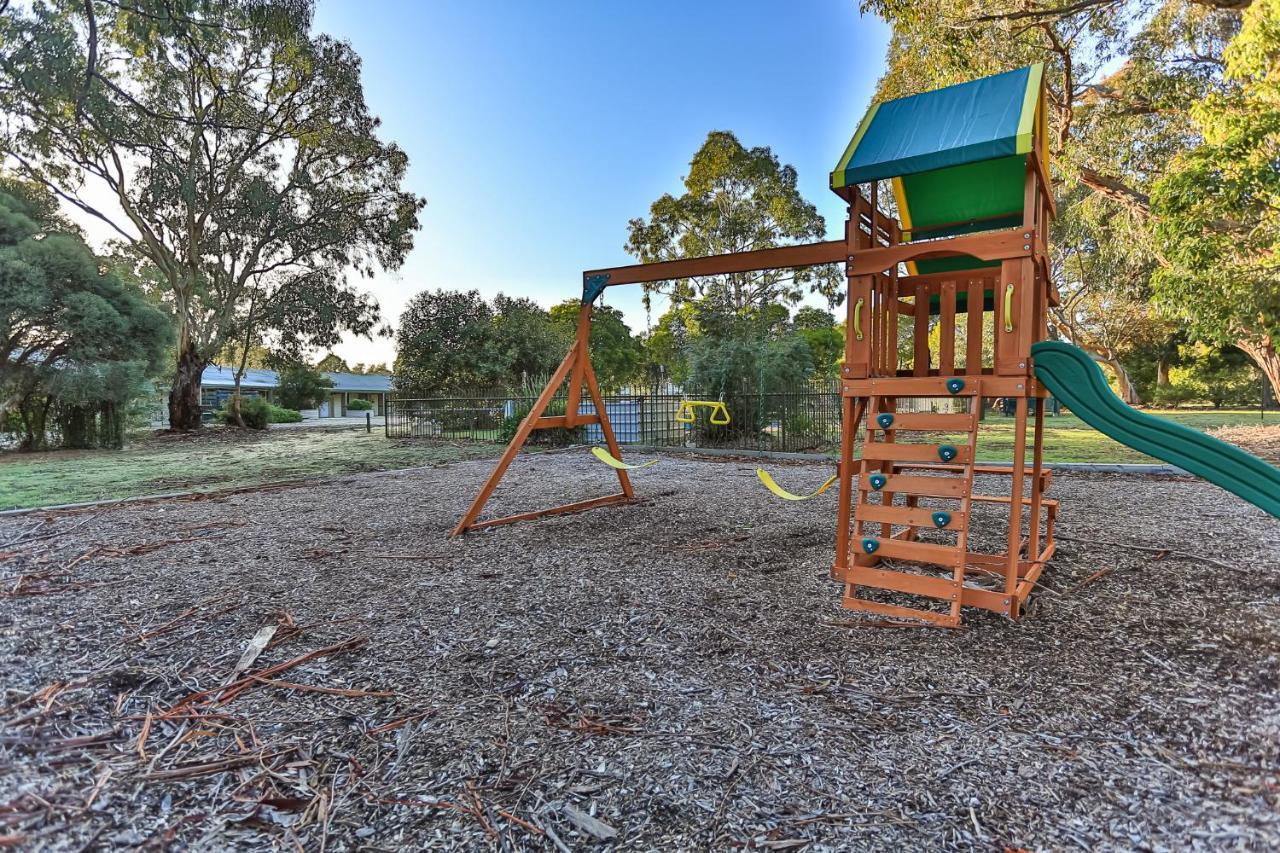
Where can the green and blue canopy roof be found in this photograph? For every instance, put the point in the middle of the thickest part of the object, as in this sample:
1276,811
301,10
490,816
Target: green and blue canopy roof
957,157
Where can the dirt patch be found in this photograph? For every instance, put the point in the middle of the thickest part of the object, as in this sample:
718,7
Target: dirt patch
675,673
1263,441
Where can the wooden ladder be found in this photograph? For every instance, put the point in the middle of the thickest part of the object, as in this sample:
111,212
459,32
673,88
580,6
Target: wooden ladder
878,510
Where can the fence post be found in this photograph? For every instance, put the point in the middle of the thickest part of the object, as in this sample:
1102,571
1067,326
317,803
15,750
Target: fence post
368,422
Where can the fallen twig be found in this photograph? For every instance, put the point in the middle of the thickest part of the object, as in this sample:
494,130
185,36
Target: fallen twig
332,691
223,695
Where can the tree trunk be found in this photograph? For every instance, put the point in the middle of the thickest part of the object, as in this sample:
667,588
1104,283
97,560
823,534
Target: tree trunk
1163,367
1265,356
235,401
184,396
1124,383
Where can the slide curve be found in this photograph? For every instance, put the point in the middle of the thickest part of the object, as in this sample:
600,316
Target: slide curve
1075,379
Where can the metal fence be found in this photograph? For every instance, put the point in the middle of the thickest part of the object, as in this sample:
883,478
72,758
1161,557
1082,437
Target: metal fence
804,420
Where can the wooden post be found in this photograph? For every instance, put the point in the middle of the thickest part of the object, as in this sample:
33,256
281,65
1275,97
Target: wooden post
1015,504
580,339
606,428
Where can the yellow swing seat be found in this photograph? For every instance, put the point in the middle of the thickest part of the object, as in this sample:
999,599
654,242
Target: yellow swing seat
687,413
614,462
772,485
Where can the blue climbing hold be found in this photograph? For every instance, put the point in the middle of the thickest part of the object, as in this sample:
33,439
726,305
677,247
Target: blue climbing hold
877,481
955,386
946,453
870,545
941,519
885,420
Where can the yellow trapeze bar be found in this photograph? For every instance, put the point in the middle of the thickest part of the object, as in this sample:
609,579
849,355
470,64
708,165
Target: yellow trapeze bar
613,462
686,414
772,485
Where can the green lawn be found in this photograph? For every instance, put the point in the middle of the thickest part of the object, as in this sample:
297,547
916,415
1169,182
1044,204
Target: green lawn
1068,439
174,464
221,460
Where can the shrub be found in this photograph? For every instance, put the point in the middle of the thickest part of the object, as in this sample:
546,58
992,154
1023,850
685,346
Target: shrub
558,437
301,387
281,415
1174,394
359,406
254,411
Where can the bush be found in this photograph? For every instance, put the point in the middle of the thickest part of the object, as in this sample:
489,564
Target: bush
301,387
281,415
558,437
359,406
254,411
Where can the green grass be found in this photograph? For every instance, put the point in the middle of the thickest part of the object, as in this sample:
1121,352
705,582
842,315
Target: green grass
213,462
209,462
1068,439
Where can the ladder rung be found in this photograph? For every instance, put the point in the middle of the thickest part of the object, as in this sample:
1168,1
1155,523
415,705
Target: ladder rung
890,451
930,585
852,602
919,552
928,421
910,516
936,487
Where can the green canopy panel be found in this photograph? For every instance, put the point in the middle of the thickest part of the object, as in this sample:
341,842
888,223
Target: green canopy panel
957,156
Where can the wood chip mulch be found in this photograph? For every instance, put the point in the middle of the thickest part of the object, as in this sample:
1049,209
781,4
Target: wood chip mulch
321,668
1261,440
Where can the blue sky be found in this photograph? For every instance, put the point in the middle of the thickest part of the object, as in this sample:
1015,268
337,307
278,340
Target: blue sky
537,130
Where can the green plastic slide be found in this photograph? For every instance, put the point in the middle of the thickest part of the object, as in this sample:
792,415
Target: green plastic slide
1076,380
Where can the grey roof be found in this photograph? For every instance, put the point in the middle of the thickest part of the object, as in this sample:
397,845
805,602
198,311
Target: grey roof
217,376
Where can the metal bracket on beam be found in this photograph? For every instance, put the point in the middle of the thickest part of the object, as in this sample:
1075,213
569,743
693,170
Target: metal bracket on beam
593,286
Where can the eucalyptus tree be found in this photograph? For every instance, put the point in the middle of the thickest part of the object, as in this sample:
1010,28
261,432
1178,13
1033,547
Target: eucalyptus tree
1218,206
224,143
735,199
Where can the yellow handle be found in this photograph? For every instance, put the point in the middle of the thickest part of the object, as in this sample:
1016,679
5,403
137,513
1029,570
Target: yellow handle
687,414
857,318
1008,307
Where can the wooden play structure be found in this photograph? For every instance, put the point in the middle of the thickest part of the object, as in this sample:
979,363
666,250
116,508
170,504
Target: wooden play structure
963,263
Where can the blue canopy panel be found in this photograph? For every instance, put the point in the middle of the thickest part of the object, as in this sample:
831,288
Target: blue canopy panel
957,156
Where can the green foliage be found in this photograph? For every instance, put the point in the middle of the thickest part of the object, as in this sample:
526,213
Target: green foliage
440,342
617,356
824,337
523,341
236,145
740,369
558,437
281,415
75,343
302,387
257,412
359,405
254,411
1220,377
736,199
1218,220
332,363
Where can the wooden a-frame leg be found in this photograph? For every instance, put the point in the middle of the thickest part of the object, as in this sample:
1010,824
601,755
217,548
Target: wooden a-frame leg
517,441
606,428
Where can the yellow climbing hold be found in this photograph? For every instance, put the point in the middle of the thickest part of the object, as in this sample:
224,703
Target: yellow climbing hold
772,485
687,413
613,462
